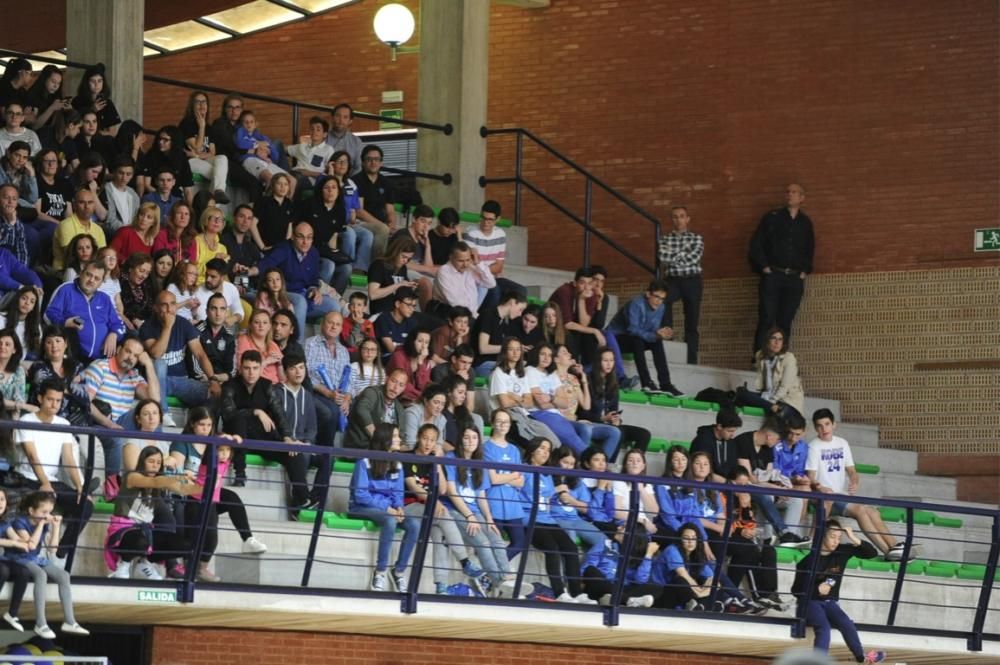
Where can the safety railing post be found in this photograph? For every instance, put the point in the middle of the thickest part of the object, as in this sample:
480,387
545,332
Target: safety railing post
518,161
898,588
88,475
975,642
409,604
523,561
209,457
588,196
324,491
799,627
295,123
612,612
727,531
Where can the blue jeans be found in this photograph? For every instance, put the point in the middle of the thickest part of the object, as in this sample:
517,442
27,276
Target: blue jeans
823,615
490,548
113,446
356,241
572,433
190,391
306,308
334,275
387,531
766,503
608,436
582,529
485,368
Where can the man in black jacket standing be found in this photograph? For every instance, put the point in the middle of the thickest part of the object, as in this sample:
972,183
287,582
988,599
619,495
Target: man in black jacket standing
252,409
781,251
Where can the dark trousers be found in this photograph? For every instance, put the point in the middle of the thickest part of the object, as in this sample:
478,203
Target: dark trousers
296,466
164,537
503,286
823,615
596,585
633,437
75,514
561,556
638,347
688,290
747,557
19,578
778,300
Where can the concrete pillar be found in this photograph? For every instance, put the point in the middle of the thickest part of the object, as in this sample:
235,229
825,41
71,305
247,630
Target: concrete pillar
453,69
108,31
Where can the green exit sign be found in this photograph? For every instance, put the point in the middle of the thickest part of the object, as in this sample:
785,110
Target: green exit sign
987,240
386,125
158,596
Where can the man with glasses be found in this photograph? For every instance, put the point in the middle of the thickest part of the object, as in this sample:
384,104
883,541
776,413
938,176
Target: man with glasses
377,213
222,133
342,138
490,247
302,267
14,130
636,328
393,327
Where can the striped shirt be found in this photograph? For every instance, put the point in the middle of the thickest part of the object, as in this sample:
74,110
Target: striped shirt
492,248
681,253
103,382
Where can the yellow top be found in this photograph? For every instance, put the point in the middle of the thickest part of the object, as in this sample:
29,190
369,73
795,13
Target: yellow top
206,254
68,229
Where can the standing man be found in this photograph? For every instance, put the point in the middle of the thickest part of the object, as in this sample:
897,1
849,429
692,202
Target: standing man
781,251
342,138
680,255
377,212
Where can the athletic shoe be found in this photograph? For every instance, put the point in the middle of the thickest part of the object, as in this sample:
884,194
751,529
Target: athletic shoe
123,571
789,539
206,575
506,589
895,553
694,606
771,601
719,607
584,599
13,622
640,601
734,606
671,390
564,597
220,197
45,632
398,580
74,629
253,546
440,588
629,382
143,569
176,571
605,600
168,420
378,581
652,389
471,570
874,657
484,583
239,480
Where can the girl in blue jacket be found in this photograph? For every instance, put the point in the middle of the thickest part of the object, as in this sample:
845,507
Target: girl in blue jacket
571,503
600,570
377,495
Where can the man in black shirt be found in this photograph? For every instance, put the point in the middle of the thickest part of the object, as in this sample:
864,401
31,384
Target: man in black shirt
717,441
822,609
377,213
781,251
444,236
218,342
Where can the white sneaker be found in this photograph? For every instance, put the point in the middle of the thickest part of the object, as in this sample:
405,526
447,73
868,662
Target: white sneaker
123,571
506,589
640,601
168,420
45,632
564,597
253,546
584,599
144,570
379,581
74,629
13,622
605,600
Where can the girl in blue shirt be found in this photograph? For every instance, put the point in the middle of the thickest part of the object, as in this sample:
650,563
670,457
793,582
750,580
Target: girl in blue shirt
39,528
377,495
561,555
678,505
503,493
9,569
600,570
602,498
571,503
470,508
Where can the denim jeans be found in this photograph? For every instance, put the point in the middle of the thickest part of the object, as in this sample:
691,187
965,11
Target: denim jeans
190,391
334,275
356,241
307,308
387,530
823,615
582,529
113,446
490,548
572,433
608,436
766,504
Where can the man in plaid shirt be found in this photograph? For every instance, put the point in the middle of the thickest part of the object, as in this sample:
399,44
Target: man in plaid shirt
680,264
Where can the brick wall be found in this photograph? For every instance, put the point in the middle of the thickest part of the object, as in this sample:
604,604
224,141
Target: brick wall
191,646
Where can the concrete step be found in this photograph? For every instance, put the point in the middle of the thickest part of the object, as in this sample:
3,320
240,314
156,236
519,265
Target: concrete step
913,487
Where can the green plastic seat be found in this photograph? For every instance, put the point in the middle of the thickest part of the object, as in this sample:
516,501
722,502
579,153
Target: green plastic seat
256,460
633,397
941,569
947,522
487,430
480,382
658,446
869,469
174,402
102,507
915,567
876,565
340,466
892,514
664,400
975,571
307,516
339,521
359,280
923,517
628,356
853,563
753,411
788,555
686,445
697,405
532,300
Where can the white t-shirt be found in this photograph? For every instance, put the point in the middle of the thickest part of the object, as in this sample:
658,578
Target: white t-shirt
507,382
830,459
547,383
48,447
229,292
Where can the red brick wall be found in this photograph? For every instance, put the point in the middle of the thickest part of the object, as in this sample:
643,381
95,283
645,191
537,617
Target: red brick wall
886,112
190,646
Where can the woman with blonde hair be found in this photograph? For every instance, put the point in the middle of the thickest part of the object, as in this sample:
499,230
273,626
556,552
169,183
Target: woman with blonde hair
552,325
207,243
139,236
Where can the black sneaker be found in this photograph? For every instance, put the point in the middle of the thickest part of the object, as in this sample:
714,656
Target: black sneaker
672,390
239,480
789,539
652,389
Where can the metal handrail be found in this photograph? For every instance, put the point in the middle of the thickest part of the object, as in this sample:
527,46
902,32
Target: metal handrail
447,129
590,180
186,588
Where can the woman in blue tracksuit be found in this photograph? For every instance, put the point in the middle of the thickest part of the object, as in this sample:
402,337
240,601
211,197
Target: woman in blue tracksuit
377,495
504,493
562,559
678,505
600,569
572,501
602,496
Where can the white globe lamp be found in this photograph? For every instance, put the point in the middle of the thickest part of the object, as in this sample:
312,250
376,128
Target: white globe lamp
394,25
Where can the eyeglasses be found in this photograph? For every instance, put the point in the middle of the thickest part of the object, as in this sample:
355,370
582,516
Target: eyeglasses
488,219
15,114
163,139
234,107
409,303
776,338
373,159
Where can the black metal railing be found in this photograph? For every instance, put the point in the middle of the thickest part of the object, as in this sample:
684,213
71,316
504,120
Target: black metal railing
590,182
186,588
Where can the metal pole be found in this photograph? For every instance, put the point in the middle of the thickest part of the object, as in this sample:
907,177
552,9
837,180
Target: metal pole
588,196
325,461
799,627
209,457
898,589
523,562
976,639
295,123
517,178
611,614
88,474
409,604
